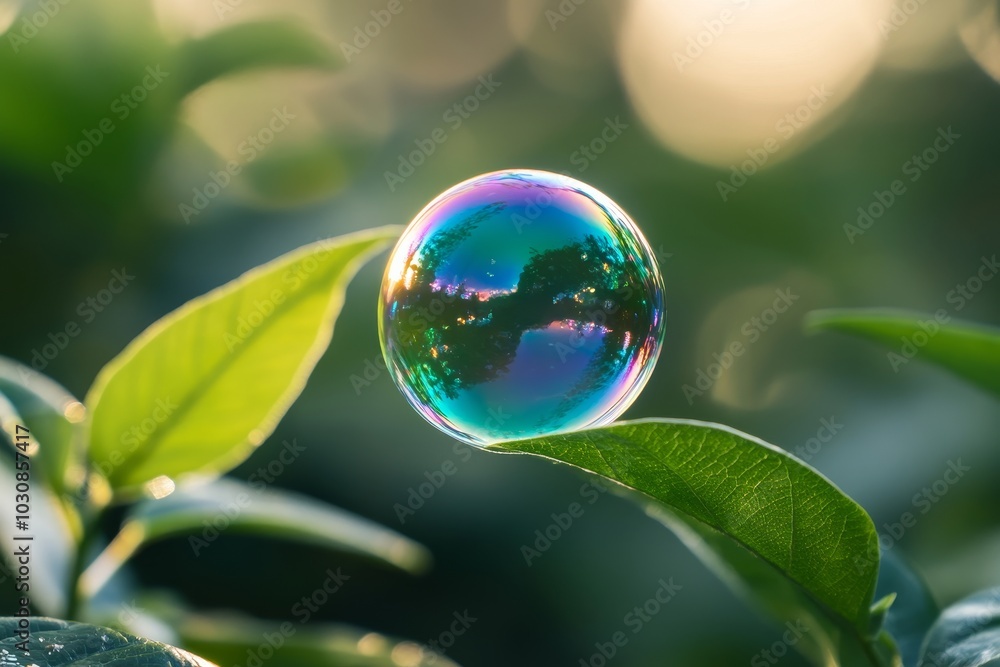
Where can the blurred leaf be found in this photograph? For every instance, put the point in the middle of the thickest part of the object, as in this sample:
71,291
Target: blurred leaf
770,524
205,385
54,643
53,546
241,508
246,46
229,639
297,175
878,612
914,610
966,349
967,634
53,416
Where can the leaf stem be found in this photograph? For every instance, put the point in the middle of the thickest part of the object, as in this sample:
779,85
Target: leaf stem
92,512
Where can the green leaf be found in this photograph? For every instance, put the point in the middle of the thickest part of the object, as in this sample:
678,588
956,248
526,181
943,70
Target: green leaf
967,634
250,45
768,523
969,350
913,611
879,612
54,643
229,639
201,388
54,417
53,544
293,175
227,505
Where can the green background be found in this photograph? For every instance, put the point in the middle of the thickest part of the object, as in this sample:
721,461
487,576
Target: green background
722,262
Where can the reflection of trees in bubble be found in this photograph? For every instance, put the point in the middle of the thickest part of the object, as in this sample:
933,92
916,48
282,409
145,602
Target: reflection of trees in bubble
453,337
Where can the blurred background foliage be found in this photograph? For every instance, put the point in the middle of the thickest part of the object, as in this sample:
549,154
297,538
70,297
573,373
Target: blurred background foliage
310,104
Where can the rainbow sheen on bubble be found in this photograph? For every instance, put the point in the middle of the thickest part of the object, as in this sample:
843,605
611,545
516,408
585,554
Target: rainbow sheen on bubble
521,303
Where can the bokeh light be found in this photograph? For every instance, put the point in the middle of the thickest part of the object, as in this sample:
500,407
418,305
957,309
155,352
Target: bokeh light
714,80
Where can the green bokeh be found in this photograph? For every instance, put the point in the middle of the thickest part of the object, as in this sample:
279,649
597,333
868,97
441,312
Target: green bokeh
893,433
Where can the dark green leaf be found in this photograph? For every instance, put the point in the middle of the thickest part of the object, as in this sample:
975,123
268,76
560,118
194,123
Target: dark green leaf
969,350
240,508
53,545
201,388
879,611
54,417
967,634
53,643
228,639
246,46
298,174
913,611
773,526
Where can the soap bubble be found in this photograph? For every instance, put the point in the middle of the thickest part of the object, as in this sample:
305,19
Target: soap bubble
521,303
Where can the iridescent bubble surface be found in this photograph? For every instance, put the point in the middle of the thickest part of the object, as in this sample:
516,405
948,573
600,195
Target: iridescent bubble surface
521,303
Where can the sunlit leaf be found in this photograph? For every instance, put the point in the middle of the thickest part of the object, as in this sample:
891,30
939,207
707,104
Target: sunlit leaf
202,387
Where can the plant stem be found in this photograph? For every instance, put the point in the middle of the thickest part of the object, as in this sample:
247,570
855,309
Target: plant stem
92,511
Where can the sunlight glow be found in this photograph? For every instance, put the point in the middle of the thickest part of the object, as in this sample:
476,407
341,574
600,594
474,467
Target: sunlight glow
714,79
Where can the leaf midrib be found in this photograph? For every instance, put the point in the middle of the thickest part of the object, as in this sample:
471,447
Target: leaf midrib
210,378
713,525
